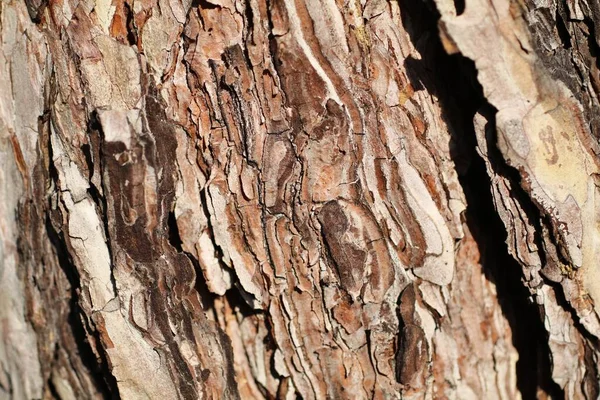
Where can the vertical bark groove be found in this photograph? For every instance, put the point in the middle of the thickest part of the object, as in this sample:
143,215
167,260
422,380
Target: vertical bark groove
459,80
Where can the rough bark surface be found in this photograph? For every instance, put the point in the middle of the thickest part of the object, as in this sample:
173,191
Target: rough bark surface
240,199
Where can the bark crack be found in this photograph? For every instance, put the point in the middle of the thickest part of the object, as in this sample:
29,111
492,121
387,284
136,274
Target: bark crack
453,79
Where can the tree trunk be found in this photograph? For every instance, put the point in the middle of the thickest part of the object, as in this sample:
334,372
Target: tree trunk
259,199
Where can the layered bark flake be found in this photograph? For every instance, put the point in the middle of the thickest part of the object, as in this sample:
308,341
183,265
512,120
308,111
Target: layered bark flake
227,199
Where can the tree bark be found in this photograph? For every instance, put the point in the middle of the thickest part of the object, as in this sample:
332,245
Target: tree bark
258,199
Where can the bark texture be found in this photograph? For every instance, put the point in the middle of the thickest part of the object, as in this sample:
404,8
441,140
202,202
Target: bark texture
258,199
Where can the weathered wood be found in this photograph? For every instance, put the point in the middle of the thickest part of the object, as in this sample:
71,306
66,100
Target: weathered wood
282,198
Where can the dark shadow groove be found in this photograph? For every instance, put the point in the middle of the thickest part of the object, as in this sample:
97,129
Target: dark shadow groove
453,80
459,5
173,232
96,135
525,318
99,370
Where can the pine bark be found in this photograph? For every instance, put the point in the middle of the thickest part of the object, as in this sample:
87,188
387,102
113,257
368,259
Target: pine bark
259,199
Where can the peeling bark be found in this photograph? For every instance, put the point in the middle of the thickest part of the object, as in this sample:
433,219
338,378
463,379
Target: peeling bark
294,198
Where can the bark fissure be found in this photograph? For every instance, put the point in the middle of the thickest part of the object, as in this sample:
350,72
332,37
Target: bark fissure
550,245
457,85
518,304
94,361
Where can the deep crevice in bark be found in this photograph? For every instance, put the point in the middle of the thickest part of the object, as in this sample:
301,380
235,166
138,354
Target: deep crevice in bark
132,34
453,80
97,135
173,232
104,381
529,335
52,389
99,369
543,229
